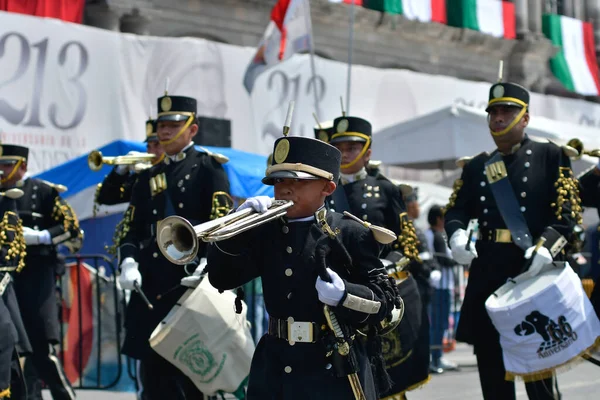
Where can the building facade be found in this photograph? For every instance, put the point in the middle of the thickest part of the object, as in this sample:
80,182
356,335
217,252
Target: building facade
380,40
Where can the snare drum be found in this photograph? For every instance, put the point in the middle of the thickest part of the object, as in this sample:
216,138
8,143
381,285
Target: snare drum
206,340
545,322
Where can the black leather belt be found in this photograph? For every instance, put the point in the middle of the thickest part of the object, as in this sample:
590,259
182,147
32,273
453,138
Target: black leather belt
495,235
294,331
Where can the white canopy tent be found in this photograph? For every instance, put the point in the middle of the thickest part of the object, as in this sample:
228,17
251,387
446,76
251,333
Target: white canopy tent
438,139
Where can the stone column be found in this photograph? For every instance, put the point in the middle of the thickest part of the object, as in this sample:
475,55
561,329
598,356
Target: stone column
568,8
535,16
135,23
100,15
522,17
578,9
592,14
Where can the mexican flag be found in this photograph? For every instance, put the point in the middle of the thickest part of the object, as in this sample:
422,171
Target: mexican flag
494,17
575,64
287,33
422,10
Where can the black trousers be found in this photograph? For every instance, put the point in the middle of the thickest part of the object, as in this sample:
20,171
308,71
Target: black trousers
48,368
495,387
161,380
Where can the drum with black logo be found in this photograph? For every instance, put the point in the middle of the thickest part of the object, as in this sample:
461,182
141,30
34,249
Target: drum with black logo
545,322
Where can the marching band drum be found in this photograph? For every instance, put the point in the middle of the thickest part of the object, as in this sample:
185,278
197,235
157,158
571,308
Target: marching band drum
204,338
545,322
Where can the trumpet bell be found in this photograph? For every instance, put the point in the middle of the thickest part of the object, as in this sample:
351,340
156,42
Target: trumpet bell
177,240
95,160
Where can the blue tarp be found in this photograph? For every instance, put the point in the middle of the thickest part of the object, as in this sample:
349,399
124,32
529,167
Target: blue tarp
245,170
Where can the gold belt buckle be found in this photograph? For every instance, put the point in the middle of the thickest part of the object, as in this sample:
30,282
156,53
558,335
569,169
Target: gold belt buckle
399,276
300,332
503,236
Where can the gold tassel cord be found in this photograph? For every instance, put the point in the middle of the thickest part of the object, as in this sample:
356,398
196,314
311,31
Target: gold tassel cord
121,230
458,184
407,239
96,204
62,211
222,203
16,245
567,193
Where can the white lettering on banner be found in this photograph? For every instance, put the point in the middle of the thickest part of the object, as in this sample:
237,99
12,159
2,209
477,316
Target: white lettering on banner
66,89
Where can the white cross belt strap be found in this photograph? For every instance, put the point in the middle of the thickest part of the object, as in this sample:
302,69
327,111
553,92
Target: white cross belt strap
4,283
362,305
546,322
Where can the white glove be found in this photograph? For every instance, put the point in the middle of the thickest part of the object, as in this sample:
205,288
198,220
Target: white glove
194,280
129,274
331,293
541,258
259,204
33,237
457,243
434,278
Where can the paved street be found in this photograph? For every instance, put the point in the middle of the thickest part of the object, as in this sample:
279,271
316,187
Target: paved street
580,383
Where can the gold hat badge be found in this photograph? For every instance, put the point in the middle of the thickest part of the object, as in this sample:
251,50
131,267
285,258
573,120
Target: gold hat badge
283,147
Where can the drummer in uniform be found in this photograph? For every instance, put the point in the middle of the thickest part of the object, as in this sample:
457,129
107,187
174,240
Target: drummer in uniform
310,258
14,342
48,220
374,198
589,186
521,192
116,186
189,183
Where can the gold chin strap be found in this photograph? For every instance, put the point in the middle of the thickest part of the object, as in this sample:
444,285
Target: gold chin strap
514,121
159,159
362,152
187,125
12,173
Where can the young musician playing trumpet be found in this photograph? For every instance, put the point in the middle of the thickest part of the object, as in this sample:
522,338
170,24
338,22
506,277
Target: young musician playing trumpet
308,259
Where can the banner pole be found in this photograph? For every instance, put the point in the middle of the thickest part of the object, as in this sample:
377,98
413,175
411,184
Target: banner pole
350,49
308,20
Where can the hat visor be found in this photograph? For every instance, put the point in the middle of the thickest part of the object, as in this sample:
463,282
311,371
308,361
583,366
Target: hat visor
270,179
153,138
341,139
504,103
7,161
172,117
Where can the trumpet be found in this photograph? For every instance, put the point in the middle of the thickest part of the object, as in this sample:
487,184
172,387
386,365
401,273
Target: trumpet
578,145
96,160
179,240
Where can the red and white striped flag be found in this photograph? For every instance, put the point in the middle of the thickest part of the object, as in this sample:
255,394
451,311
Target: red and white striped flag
288,33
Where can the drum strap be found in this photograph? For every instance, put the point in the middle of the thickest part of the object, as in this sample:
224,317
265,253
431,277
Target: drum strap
507,203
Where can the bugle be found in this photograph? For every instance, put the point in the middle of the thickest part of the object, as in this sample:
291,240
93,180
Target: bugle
577,144
96,160
179,240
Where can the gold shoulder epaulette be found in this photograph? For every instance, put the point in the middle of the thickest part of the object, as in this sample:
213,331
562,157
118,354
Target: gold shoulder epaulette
463,161
220,158
567,150
57,186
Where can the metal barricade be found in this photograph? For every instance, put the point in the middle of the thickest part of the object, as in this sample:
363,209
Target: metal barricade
87,286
